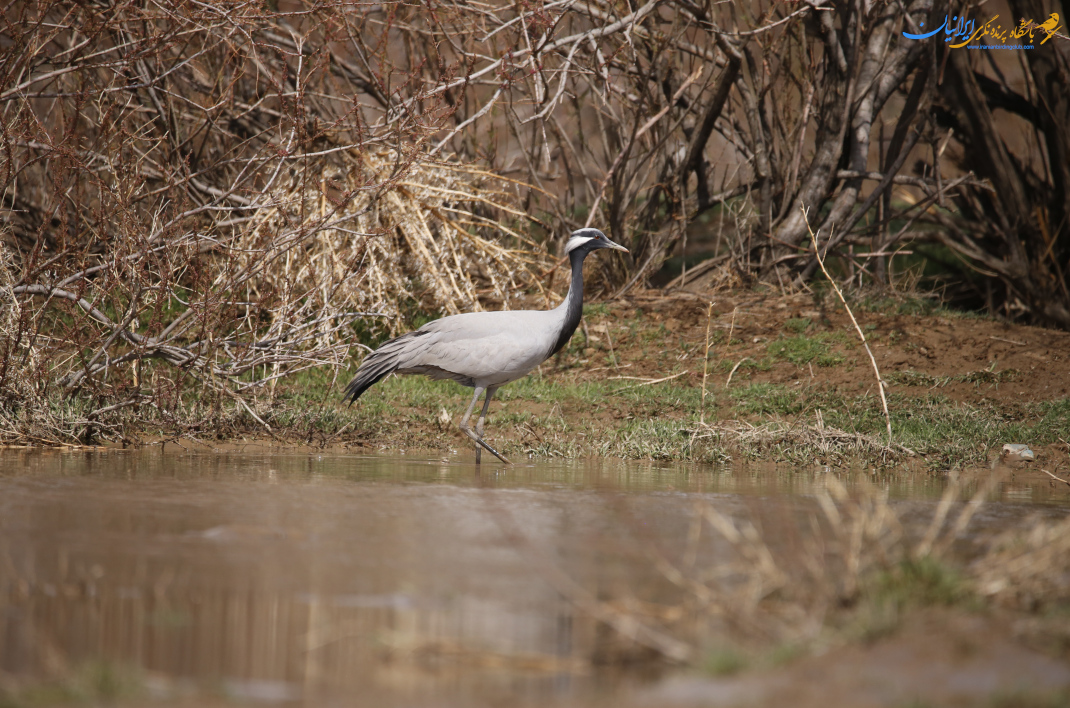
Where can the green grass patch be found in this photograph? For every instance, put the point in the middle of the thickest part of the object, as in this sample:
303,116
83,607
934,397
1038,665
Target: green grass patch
922,582
765,399
802,350
990,377
983,376
653,439
746,365
888,595
617,418
92,683
725,661
916,378
595,309
905,304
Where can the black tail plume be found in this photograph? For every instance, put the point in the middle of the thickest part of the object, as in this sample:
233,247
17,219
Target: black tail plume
365,379
388,358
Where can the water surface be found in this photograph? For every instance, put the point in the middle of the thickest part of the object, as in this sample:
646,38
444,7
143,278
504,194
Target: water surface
340,578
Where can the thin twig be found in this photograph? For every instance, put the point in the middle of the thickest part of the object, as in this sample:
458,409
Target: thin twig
861,335
1058,479
733,371
649,382
706,363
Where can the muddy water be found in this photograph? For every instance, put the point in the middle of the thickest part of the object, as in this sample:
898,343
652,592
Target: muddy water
338,579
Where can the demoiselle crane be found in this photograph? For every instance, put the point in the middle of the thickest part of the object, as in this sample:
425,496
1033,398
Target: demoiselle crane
485,350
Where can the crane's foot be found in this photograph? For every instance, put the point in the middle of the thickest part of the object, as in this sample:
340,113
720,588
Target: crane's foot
492,451
482,445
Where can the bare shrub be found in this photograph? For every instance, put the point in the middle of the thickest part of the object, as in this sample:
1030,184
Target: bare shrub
840,565
204,197
1008,122
800,442
655,120
1027,567
189,183
645,118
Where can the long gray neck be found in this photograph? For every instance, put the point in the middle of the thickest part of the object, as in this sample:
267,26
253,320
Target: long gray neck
573,304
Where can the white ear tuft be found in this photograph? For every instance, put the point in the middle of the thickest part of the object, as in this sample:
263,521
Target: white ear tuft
582,236
576,241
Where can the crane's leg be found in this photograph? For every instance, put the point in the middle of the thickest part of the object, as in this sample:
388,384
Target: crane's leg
478,437
491,390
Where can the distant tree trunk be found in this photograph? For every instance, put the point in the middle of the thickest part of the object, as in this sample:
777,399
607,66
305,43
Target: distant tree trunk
1019,230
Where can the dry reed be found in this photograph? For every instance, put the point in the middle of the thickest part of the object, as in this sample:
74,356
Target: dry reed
198,210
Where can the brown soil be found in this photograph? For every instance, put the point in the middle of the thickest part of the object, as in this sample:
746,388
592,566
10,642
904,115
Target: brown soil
654,335
1036,361
939,657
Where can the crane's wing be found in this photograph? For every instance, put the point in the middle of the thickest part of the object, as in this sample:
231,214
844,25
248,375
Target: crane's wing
488,348
383,361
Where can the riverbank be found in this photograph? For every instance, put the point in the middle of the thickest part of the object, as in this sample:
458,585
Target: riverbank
785,380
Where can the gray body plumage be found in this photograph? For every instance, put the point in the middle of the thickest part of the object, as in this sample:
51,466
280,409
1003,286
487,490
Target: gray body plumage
475,349
485,350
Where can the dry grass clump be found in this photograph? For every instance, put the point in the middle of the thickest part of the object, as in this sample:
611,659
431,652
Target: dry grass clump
846,567
750,580
1027,568
224,196
19,396
271,297
800,442
431,238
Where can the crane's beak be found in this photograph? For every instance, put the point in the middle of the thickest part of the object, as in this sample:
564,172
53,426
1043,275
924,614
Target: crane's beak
614,246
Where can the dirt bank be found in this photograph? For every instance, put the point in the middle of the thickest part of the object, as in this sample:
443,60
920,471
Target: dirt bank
630,384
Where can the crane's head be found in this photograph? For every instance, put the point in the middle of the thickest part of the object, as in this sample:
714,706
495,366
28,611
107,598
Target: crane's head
590,240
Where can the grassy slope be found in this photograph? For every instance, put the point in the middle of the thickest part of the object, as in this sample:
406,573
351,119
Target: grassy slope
791,389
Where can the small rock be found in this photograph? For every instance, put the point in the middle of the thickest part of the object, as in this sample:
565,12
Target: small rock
444,419
1016,453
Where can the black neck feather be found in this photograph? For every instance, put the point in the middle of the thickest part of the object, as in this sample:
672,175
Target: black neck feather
573,303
